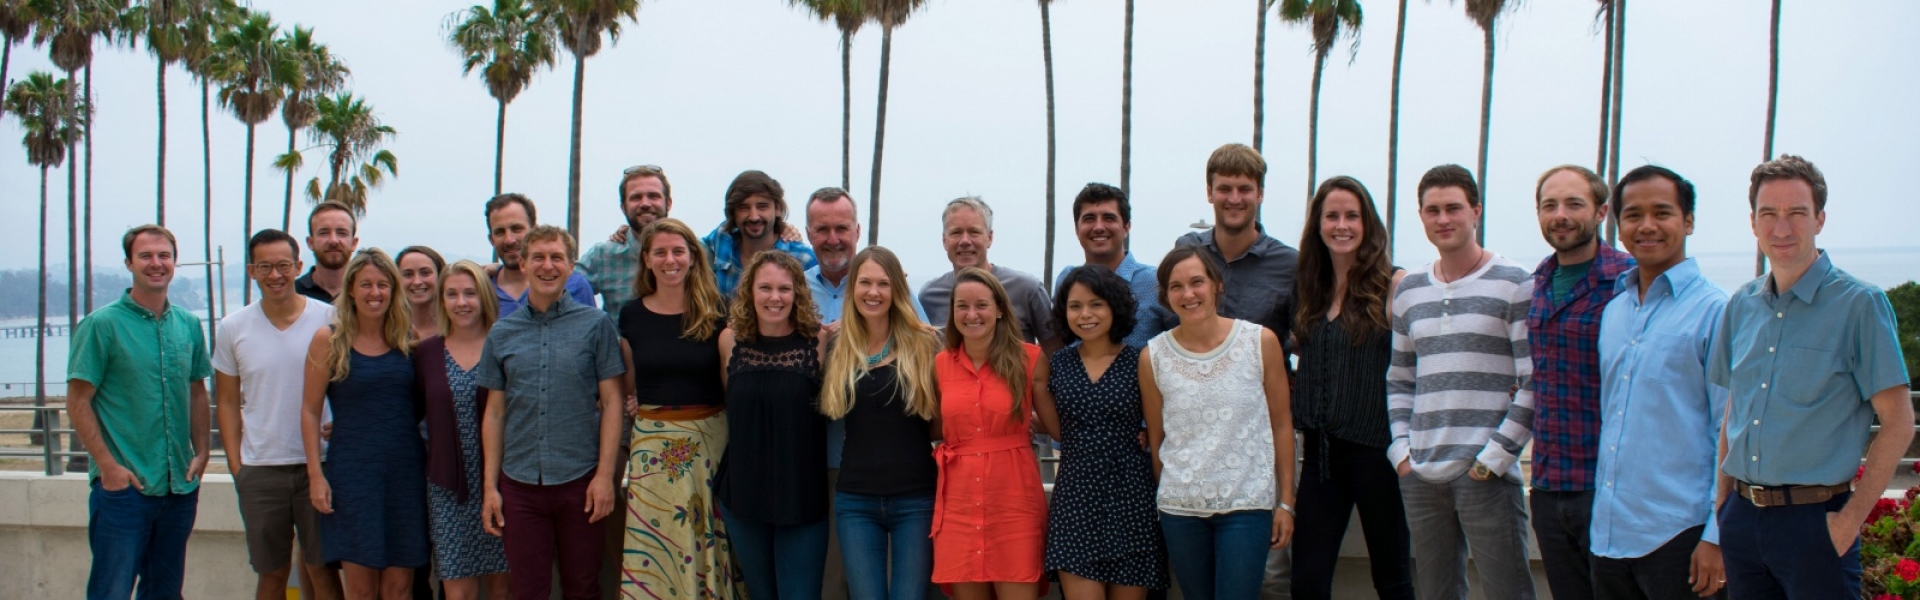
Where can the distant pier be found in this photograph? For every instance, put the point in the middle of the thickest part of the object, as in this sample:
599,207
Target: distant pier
29,331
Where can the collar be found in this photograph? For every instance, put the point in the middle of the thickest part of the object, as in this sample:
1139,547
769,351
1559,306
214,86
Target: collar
818,277
1810,282
1263,244
560,308
1679,277
126,300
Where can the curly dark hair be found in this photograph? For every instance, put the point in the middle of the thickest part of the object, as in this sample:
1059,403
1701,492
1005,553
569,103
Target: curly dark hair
1109,287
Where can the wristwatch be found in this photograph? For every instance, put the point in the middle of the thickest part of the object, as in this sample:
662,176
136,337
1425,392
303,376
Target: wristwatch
1480,471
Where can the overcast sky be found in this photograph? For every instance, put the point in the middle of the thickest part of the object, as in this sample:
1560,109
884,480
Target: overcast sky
708,88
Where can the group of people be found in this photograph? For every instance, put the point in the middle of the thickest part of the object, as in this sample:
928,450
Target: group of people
789,419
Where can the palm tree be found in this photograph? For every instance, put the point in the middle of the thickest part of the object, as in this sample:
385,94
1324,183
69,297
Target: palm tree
1046,53
1618,22
1773,104
1393,126
580,23
203,26
309,70
1485,14
352,134
245,60
847,16
1605,12
68,29
1126,105
1260,73
162,24
16,22
53,117
888,14
508,44
1329,19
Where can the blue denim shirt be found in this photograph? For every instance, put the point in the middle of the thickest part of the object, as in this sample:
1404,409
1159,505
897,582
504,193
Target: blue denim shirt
1146,295
729,267
1659,417
550,364
1801,365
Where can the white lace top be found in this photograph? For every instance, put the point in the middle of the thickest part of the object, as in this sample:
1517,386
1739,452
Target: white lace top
1217,455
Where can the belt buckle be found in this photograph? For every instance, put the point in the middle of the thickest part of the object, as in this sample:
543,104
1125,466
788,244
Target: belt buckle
1756,494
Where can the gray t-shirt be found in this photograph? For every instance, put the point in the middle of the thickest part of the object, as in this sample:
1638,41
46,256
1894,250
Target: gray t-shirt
1031,305
550,365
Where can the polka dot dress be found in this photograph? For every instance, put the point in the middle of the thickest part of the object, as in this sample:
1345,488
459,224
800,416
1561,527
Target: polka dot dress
1103,524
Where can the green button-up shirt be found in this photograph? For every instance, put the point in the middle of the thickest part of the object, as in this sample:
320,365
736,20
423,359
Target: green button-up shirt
611,268
142,366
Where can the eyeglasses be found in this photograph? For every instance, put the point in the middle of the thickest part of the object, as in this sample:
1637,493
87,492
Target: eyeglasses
283,267
644,170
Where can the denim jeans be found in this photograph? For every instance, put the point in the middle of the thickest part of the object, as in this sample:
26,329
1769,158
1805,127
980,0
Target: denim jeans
138,538
779,562
1222,556
883,540
1451,519
1561,521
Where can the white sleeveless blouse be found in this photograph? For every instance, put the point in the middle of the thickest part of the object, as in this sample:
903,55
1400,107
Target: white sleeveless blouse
1217,455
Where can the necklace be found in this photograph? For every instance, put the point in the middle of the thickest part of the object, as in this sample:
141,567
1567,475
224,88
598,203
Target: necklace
884,351
1476,266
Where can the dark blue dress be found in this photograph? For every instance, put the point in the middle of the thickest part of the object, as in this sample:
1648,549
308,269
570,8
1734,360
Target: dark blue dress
376,465
1104,524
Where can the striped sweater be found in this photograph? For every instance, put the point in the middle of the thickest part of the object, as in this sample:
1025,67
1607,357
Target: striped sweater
1459,351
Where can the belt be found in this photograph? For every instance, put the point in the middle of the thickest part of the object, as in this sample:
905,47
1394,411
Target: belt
947,451
1789,495
694,412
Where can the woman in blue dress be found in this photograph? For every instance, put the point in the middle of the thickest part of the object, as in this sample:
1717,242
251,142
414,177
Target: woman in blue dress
371,489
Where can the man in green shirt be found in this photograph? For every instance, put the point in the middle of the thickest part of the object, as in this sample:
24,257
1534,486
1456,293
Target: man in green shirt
137,394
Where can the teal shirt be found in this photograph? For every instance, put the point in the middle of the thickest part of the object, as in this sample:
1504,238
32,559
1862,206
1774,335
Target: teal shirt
1565,276
611,268
1801,364
141,366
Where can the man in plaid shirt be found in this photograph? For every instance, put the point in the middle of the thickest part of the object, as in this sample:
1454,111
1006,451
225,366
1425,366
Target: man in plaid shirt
645,197
1570,289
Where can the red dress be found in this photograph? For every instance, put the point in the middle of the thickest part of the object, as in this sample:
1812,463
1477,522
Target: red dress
990,514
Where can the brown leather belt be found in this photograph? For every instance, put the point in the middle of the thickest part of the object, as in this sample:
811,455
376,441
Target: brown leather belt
1789,495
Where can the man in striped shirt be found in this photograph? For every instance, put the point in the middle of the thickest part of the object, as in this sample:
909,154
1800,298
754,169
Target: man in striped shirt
1459,404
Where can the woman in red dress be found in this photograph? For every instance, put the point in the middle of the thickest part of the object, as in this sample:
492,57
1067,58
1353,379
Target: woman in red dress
990,513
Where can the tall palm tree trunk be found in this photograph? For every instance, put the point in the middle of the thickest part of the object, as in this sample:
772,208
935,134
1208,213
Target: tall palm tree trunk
573,152
286,206
1486,127
246,219
160,154
1046,51
1260,75
846,109
1619,20
1393,127
1126,105
1773,105
499,146
206,231
73,235
1606,92
40,333
879,134
86,218
6,58
1313,124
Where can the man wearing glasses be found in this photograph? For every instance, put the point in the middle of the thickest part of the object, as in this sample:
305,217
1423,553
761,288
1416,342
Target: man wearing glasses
645,197
332,234
259,368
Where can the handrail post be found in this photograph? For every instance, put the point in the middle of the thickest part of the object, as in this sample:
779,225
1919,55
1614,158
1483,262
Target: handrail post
52,440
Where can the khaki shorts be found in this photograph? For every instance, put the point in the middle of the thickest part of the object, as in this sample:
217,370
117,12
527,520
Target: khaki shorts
274,508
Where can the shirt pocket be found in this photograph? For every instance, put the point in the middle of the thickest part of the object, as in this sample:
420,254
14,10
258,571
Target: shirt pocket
1805,376
177,356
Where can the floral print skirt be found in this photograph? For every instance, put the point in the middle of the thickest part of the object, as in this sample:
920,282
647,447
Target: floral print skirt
676,545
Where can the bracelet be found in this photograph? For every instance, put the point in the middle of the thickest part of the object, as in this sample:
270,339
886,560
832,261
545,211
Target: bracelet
1284,506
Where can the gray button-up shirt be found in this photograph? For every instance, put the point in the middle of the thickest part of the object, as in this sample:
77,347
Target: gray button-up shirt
550,364
1259,284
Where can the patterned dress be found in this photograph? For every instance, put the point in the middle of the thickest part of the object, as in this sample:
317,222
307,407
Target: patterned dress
1103,525
461,547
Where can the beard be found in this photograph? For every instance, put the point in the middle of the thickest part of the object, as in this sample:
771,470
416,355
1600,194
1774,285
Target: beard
326,260
1581,236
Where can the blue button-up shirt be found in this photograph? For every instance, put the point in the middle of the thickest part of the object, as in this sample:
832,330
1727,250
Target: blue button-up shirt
729,267
577,287
1660,418
550,364
1801,365
830,298
1146,296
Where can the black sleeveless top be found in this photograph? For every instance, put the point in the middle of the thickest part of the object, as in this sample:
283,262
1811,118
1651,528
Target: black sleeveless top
888,452
775,468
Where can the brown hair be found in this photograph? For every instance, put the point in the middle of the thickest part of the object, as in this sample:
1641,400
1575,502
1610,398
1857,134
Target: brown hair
1237,160
548,233
632,173
1180,254
126,241
439,264
501,201
1786,167
1006,353
704,305
745,321
754,183
1595,184
1364,310
352,217
913,346
1448,175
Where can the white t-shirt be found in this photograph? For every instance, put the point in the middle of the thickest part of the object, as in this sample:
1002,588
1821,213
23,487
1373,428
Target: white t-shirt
271,365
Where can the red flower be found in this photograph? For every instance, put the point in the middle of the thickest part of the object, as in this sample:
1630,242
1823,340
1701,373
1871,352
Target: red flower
1886,597
1861,472
1916,467
1908,570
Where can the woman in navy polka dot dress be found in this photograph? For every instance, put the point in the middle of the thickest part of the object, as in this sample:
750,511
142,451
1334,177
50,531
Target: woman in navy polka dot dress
1103,531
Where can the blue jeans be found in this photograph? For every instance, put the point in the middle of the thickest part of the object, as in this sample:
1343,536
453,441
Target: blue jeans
878,530
138,538
1222,556
780,562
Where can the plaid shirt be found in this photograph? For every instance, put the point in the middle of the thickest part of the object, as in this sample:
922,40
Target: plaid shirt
611,267
728,266
1564,339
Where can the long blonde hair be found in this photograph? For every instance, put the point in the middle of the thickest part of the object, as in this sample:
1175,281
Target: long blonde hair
489,307
1006,353
744,320
705,308
913,346
396,329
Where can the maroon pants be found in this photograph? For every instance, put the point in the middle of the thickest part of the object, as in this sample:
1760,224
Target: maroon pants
548,522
